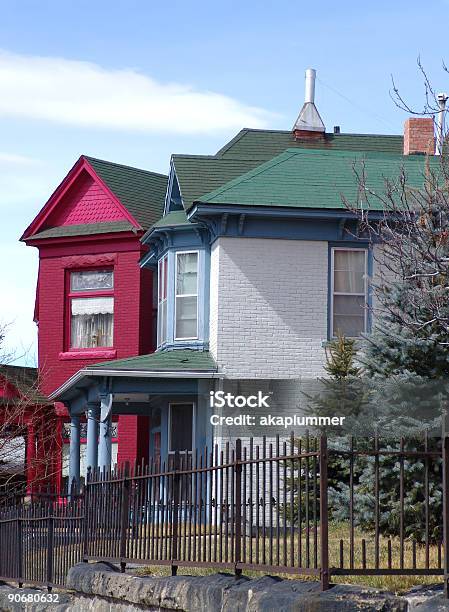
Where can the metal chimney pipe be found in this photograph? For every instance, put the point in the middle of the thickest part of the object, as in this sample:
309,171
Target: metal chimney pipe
310,85
442,99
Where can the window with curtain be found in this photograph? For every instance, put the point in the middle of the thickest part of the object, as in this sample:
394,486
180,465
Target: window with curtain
91,300
349,292
186,296
162,301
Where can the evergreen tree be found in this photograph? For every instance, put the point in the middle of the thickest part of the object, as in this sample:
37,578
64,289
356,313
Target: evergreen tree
406,359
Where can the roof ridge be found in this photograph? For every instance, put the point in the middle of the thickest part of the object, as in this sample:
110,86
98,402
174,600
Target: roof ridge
111,163
196,156
274,161
270,131
229,144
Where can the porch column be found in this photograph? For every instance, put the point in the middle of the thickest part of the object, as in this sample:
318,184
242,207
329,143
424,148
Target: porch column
93,419
74,458
104,445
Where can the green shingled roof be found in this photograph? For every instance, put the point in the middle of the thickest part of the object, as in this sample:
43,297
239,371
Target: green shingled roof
201,174
163,361
198,174
173,219
87,229
265,144
140,191
306,178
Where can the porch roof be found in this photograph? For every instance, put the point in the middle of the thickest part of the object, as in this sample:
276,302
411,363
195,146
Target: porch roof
178,363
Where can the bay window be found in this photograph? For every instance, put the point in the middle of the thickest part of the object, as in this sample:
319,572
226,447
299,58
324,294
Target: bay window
349,292
162,301
179,298
186,296
91,309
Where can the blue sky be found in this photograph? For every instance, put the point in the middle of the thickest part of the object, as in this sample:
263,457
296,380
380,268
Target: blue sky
134,81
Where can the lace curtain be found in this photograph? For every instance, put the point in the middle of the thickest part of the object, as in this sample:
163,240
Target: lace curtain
92,322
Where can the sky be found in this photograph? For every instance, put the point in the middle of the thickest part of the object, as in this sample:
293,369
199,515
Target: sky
135,81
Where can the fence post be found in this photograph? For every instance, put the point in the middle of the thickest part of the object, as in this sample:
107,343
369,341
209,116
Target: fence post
445,449
85,498
238,507
124,517
20,550
175,484
50,551
324,534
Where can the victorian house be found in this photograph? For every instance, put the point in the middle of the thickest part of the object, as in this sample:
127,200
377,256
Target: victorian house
239,265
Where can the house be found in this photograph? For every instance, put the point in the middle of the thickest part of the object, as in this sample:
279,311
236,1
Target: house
93,301
27,441
259,263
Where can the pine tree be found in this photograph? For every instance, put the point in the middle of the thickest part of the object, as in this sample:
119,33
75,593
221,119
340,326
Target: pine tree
406,358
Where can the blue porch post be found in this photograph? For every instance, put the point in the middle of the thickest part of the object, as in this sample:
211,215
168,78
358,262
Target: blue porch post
93,418
105,446
74,457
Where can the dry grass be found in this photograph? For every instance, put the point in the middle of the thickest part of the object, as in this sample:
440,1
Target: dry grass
337,532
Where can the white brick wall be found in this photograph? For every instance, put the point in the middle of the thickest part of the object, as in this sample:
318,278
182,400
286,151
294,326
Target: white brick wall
268,307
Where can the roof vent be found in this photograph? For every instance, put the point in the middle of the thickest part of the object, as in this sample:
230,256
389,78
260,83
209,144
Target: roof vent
309,119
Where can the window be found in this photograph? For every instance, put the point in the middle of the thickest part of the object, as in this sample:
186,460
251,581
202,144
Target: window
181,430
186,296
91,303
162,301
349,292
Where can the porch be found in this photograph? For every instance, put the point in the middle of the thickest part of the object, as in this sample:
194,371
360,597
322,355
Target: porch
171,388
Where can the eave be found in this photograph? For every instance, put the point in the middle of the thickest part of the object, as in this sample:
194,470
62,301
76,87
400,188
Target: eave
71,384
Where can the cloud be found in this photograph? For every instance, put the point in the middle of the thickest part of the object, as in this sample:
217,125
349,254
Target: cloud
23,180
14,159
85,94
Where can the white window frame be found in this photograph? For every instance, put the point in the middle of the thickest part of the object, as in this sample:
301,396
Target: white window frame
177,338
160,268
333,293
193,404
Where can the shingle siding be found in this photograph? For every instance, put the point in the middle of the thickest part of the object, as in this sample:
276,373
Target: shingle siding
268,315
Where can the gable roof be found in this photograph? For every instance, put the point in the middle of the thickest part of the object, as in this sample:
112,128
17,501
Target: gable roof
201,174
305,178
139,193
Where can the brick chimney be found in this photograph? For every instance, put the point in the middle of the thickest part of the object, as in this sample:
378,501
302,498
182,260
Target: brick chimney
419,136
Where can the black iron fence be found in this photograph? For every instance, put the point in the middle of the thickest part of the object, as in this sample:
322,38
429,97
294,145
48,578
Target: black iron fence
279,505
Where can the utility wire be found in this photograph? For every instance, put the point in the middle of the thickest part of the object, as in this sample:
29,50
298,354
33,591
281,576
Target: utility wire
357,106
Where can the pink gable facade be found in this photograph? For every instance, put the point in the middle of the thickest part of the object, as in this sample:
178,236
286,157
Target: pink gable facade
84,199
85,202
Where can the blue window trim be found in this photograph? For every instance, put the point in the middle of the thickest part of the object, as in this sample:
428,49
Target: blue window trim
176,258
370,267
202,339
